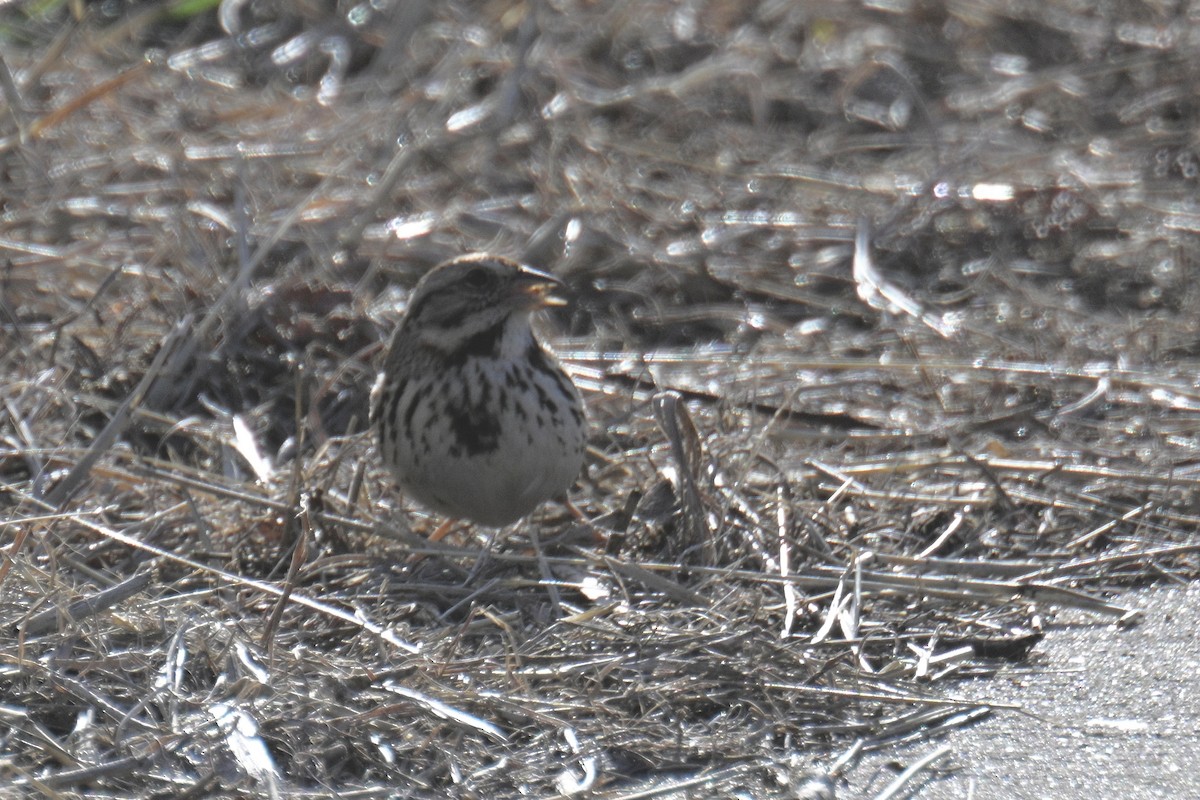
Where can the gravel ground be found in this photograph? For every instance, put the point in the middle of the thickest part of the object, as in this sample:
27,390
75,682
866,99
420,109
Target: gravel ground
1105,712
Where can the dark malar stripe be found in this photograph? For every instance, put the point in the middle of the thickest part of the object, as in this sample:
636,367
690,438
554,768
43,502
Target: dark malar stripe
484,344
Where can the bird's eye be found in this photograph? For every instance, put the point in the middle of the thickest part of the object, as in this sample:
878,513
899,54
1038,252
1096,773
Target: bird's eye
477,278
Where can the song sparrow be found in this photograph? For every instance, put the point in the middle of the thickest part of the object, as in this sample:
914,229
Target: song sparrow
475,419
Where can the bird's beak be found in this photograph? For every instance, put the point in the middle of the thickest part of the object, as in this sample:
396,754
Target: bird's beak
535,289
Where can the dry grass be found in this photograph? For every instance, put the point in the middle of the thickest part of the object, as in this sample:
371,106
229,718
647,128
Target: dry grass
824,491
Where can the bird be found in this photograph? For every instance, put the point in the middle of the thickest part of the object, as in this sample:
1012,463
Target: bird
476,419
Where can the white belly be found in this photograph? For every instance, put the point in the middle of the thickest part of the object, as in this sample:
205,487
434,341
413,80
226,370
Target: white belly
486,468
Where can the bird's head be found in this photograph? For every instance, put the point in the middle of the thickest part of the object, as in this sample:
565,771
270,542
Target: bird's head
474,296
